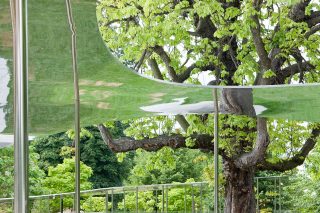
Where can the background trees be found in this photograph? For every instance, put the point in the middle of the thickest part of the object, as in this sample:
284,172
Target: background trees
237,43
107,171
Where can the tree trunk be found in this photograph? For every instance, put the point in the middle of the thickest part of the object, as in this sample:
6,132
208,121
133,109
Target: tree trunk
239,189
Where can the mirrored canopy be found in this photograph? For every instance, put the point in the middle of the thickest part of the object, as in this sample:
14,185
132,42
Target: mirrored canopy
108,89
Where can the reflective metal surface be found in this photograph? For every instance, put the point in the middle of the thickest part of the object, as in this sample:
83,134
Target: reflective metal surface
111,91
21,143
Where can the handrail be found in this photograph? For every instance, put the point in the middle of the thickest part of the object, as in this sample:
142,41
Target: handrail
123,189
115,190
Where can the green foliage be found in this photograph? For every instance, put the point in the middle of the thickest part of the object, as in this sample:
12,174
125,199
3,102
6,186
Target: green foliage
7,172
95,204
62,179
179,199
107,171
146,202
166,166
49,149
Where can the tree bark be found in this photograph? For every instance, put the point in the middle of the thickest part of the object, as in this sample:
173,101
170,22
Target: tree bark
239,189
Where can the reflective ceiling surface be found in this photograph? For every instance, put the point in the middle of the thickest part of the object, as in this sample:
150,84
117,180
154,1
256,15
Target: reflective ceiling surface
108,89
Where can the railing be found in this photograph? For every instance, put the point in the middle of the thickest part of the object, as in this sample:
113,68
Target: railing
176,197
193,197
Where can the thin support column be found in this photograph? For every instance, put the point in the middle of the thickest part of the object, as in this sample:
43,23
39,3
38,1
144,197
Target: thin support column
21,148
76,105
216,148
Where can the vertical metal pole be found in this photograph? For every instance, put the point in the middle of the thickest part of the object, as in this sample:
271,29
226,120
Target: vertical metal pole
137,200
280,209
107,202
275,197
76,105
156,200
193,204
201,197
124,201
216,154
112,204
21,148
167,202
162,198
185,199
61,204
258,208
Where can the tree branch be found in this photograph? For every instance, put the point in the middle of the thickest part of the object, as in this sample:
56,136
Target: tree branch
312,31
186,74
145,54
248,160
257,40
202,142
293,69
296,160
155,68
182,122
167,61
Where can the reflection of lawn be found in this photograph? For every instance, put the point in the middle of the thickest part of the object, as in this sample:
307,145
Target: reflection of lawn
6,51
112,92
299,103
109,91
5,30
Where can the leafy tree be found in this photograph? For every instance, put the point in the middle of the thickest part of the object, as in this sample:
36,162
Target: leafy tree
36,175
166,166
239,43
95,204
107,171
7,172
49,149
179,199
61,179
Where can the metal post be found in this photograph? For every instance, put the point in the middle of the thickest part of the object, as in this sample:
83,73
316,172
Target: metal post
137,200
216,156
76,105
124,201
107,201
21,148
162,198
112,201
185,199
275,197
167,203
61,204
258,208
192,196
201,197
157,200
280,209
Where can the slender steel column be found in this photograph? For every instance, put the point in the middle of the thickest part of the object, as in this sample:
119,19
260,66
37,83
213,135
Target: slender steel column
21,152
76,105
216,154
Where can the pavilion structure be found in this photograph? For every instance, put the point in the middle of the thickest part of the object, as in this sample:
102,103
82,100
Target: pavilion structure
63,77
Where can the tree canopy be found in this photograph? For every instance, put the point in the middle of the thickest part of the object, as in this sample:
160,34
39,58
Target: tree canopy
235,43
